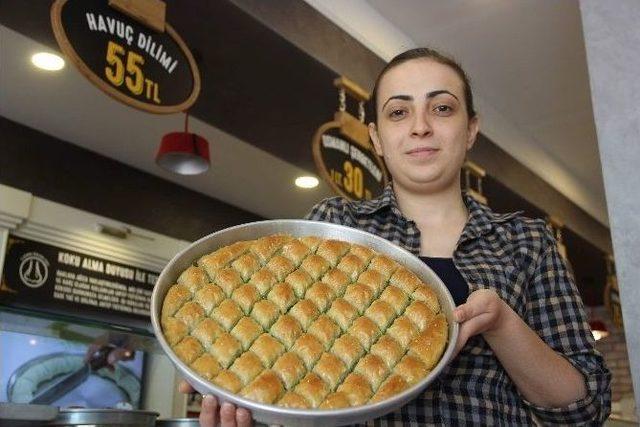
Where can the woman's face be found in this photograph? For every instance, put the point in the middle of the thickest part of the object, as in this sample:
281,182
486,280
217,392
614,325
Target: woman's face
423,131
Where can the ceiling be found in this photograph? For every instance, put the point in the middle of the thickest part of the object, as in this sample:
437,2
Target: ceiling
526,61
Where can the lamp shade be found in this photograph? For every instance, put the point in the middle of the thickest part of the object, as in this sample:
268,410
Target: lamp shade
183,153
599,329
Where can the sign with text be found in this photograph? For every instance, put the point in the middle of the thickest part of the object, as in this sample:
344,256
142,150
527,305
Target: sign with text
47,277
146,69
352,170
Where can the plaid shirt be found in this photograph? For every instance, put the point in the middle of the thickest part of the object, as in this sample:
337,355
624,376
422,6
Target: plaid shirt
517,258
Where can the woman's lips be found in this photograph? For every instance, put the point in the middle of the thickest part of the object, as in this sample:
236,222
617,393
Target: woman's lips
422,152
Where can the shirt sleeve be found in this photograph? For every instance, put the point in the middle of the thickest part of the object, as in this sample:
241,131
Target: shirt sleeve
556,312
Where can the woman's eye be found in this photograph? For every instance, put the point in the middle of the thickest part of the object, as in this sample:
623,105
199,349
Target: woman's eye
443,109
396,114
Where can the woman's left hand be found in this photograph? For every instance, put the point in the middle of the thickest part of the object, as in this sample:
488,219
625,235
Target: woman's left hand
484,312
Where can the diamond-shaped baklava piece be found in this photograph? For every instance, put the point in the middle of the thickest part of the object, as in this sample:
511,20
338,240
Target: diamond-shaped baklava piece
226,348
357,389
337,280
176,297
247,367
295,251
228,279
209,296
286,329
305,311
315,266
265,312
266,388
227,314
335,401
267,348
246,331
207,366
193,278
246,265
309,349
263,280
245,296
348,349
430,343
290,368
207,332
342,313
321,294
293,400
333,250
331,369
313,388
300,281
174,330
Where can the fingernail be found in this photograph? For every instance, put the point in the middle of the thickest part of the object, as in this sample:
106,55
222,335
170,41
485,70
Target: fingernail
207,400
242,414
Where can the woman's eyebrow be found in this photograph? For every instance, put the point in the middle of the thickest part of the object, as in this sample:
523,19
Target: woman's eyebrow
435,93
429,95
401,97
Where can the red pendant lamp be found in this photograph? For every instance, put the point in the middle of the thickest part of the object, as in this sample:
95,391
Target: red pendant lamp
183,153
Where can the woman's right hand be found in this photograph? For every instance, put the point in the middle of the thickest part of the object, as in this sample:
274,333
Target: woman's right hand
225,416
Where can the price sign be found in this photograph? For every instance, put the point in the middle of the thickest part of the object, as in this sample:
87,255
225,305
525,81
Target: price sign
351,169
146,69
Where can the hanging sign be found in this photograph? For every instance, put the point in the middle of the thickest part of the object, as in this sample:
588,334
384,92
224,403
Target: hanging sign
343,153
146,66
612,293
472,170
48,278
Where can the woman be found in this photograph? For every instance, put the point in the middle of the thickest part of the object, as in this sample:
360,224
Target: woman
525,350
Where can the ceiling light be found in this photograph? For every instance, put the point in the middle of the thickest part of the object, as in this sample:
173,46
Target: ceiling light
599,329
307,181
47,61
183,153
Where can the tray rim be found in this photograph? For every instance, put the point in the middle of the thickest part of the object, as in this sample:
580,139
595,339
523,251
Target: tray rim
270,412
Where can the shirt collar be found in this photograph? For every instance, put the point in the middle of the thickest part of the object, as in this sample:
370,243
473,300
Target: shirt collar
385,200
481,217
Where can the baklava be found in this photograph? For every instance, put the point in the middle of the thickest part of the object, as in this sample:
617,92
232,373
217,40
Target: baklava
304,322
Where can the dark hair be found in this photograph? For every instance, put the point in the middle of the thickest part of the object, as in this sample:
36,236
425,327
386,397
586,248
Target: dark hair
425,53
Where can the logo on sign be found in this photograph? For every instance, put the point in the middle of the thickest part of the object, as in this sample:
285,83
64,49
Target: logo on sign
34,269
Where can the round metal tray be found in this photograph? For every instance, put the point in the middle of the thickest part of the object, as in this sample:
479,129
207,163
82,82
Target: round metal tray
104,417
272,414
178,422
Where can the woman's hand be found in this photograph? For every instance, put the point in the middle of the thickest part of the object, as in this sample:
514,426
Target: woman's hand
226,416
483,313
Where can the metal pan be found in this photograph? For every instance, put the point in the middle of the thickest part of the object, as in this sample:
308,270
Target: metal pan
271,414
104,418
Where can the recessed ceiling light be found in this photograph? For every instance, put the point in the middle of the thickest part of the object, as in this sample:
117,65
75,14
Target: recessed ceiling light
47,61
307,181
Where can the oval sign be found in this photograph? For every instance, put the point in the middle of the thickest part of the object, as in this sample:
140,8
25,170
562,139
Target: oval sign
136,65
352,171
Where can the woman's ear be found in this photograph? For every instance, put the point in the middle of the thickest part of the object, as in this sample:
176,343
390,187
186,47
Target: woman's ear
373,134
472,131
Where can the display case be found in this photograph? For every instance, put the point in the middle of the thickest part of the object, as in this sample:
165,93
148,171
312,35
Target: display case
73,282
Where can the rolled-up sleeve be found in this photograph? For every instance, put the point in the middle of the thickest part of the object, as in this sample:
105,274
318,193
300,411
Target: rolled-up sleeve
556,312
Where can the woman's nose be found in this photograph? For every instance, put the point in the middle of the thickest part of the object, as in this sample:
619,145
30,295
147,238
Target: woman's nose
421,126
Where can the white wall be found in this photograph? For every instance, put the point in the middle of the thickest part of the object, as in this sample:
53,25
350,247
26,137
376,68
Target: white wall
612,40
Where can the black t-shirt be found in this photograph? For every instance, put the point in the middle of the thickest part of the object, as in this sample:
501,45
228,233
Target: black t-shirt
449,274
